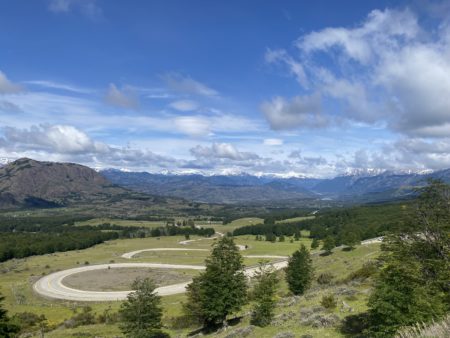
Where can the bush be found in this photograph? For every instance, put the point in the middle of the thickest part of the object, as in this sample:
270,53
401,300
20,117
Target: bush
325,278
328,302
354,324
366,271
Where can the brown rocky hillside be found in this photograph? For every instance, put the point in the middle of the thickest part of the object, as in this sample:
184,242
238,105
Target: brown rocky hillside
28,183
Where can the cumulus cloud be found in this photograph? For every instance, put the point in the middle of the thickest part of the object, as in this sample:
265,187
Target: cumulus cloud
66,142
123,98
187,85
222,151
184,105
7,86
388,70
300,111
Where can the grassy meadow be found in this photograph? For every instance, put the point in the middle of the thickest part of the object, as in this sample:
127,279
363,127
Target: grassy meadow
18,276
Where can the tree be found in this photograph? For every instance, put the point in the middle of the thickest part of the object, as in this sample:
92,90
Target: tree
264,296
222,289
270,237
297,235
413,285
299,272
328,244
141,313
7,329
314,243
281,238
350,239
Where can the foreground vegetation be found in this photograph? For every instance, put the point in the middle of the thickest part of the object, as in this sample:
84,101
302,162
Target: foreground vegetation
351,290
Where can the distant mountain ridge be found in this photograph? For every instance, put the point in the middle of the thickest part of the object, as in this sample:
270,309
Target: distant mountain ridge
369,186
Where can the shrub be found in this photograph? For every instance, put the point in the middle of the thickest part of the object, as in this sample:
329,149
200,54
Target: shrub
328,302
366,271
325,278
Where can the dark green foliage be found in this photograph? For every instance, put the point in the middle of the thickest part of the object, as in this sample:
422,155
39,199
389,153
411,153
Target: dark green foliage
328,244
281,238
350,238
400,299
264,297
299,272
222,289
7,328
20,245
363,221
315,243
297,235
141,313
271,238
413,285
328,301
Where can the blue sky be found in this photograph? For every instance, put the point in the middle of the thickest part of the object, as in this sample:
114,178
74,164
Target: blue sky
286,87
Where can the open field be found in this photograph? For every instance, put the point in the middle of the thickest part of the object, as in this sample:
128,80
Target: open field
294,219
121,279
18,276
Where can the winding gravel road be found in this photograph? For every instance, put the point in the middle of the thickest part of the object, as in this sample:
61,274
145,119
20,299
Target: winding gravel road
52,285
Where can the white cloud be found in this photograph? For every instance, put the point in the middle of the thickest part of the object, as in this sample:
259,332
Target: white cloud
222,151
60,86
88,8
7,86
386,71
187,85
382,29
295,68
124,98
184,105
195,126
273,142
300,111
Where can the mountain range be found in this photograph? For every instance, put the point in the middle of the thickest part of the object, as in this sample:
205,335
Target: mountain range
28,183
358,187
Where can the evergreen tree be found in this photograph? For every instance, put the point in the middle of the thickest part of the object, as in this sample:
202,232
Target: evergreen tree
350,239
264,296
299,272
314,243
328,244
222,289
281,238
7,329
413,285
297,236
141,313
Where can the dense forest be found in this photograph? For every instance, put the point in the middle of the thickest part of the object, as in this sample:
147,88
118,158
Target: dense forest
364,221
27,236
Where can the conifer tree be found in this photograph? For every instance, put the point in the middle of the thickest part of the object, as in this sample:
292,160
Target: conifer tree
141,313
222,289
299,272
264,296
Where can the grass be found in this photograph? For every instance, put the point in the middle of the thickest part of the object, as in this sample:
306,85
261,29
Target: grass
294,219
17,277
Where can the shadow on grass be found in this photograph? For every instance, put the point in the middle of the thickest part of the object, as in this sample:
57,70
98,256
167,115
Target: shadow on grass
215,328
324,254
354,325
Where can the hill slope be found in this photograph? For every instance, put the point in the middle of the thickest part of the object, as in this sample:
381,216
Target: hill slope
26,182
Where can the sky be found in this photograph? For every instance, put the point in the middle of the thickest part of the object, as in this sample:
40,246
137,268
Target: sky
291,88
